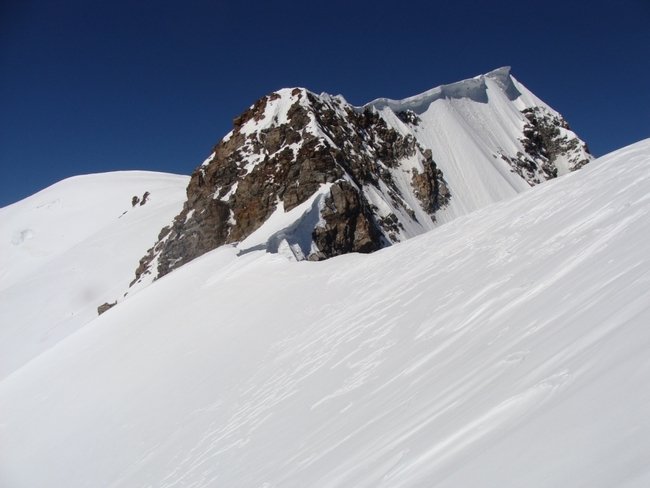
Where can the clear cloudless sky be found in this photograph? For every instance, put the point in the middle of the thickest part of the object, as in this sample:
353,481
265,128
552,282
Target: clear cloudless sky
89,86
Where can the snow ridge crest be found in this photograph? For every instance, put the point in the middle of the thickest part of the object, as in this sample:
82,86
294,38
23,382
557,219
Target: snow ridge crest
474,89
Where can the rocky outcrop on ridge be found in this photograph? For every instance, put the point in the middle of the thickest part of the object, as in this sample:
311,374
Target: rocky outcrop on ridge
312,177
551,148
351,183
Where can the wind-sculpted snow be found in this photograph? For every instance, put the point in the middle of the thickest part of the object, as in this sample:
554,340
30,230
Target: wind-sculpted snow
507,348
475,89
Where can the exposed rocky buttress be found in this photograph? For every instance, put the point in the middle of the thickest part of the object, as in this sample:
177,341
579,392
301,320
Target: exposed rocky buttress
286,149
550,147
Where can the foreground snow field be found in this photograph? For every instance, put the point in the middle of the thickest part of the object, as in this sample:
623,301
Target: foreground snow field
508,347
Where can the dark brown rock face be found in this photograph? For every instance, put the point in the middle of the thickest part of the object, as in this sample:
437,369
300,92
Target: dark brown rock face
286,148
543,137
428,187
349,224
408,117
104,307
547,140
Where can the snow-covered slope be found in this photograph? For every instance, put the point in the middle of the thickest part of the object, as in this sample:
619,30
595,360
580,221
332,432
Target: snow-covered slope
474,129
506,348
71,247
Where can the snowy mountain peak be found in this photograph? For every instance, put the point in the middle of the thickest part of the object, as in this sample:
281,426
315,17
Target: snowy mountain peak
311,176
502,74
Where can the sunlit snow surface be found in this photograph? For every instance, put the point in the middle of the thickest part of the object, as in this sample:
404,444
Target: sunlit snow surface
72,247
508,348
466,125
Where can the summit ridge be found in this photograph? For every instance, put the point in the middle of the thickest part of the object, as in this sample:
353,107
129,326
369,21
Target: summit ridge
312,176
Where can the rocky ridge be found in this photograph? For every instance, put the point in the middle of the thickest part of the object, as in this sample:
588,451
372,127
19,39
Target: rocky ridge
365,184
550,148
312,177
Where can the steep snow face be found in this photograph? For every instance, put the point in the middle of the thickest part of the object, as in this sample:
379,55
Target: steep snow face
491,137
71,247
507,348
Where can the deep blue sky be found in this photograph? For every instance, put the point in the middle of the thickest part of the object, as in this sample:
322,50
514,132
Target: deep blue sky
89,86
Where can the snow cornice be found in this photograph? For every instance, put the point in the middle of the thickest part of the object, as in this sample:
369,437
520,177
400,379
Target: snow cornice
473,88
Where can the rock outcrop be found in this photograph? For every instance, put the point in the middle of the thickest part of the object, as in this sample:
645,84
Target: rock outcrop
550,148
312,177
361,182
105,307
